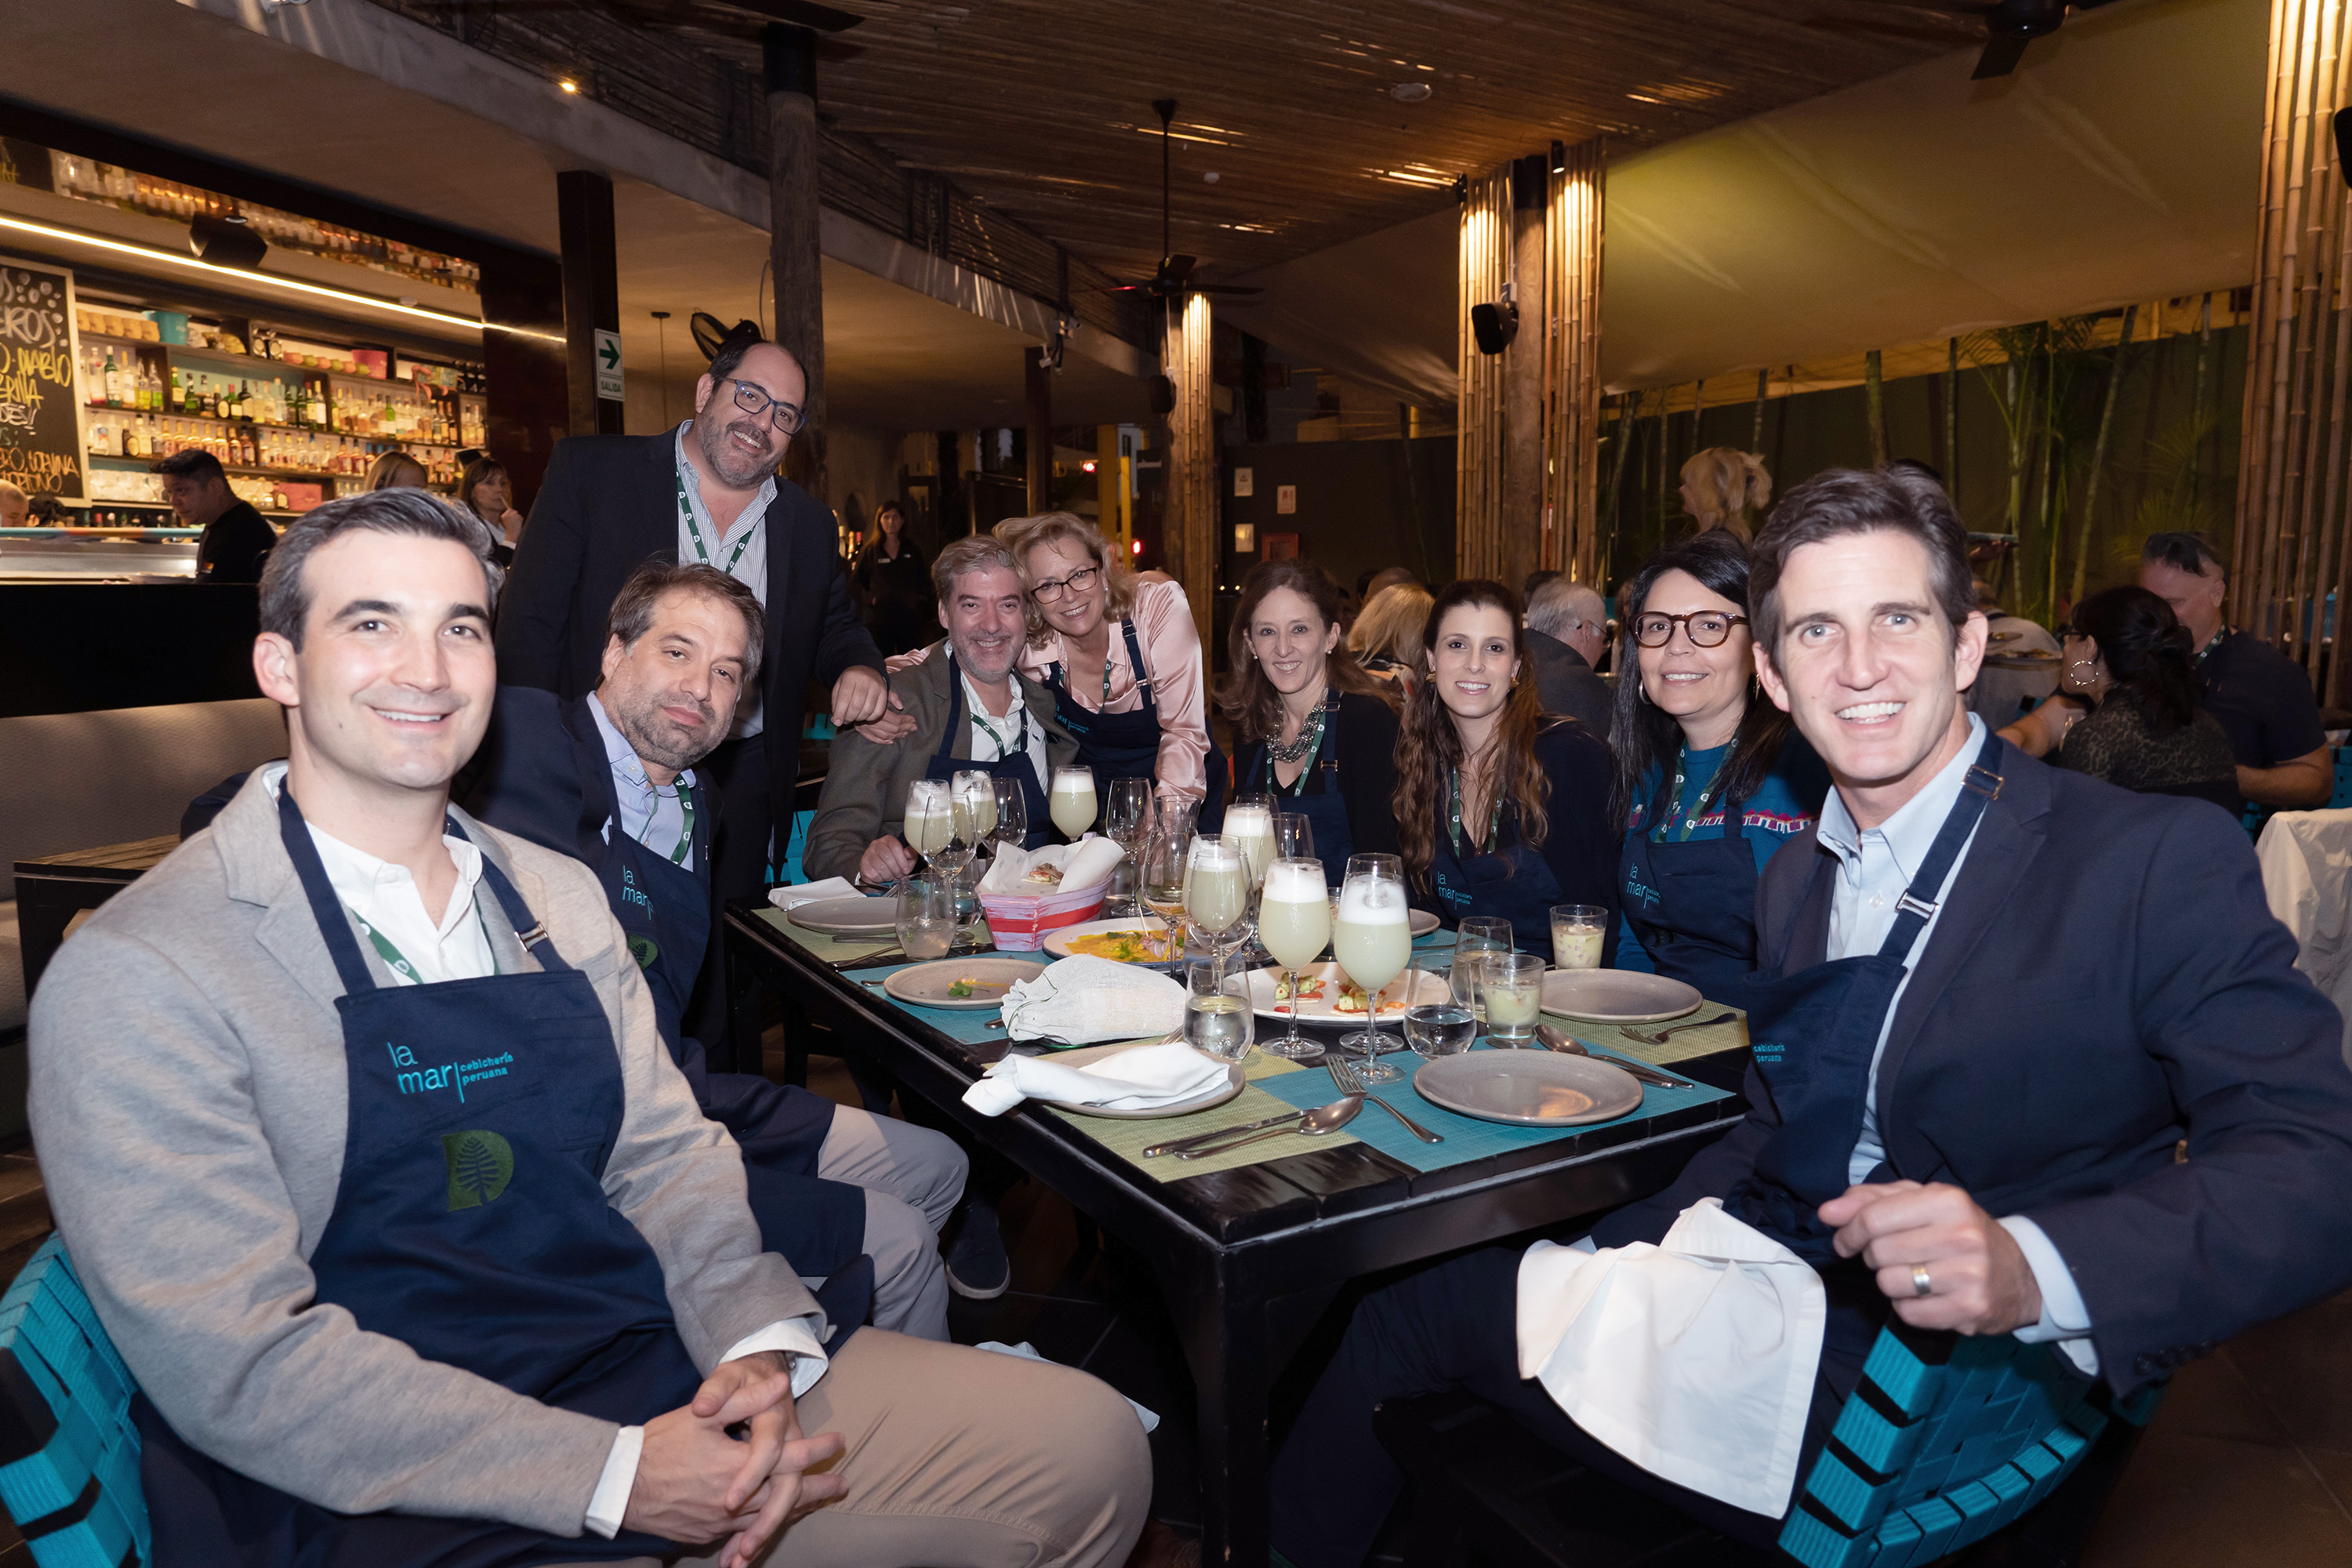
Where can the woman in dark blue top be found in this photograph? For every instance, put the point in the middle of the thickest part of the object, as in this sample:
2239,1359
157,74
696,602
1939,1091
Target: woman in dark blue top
1711,778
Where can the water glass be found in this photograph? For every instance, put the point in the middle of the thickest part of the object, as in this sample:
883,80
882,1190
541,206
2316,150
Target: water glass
1011,813
1466,982
927,916
1513,984
1577,933
1218,1021
1481,934
1438,1023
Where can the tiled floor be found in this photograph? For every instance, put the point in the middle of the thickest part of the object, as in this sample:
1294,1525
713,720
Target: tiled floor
2249,1464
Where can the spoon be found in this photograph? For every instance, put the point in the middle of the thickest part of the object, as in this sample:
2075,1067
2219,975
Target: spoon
1553,1039
1313,1124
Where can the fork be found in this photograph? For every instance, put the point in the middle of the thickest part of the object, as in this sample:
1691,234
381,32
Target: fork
1344,1078
1659,1038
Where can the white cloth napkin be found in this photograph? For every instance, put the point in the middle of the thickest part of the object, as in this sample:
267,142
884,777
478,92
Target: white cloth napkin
809,892
1085,1000
1693,1358
1082,865
1144,1078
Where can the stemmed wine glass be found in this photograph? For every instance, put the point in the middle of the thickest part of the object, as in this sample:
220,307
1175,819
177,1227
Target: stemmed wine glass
1072,802
1217,891
1011,813
1294,921
1372,941
1127,818
928,822
1294,835
1166,854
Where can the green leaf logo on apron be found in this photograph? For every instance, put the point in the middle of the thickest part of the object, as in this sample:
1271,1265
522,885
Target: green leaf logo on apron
480,1166
644,950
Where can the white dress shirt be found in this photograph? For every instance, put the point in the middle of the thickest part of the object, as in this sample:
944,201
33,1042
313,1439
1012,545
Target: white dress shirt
653,815
751,568
985,746
457,947
1875,867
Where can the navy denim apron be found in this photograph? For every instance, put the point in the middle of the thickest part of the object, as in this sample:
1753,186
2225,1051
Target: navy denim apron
471,1224
1693,903
1127,745
945,765
1326,814
1814,1033
664,911
1514,882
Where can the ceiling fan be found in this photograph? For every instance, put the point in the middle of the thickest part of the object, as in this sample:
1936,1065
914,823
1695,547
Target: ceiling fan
1174,278
2008,26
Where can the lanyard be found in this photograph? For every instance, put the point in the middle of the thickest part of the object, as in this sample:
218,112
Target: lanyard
1674,799
1308,744
1494,828
686,834
396,961
694,532
980,717
2199,659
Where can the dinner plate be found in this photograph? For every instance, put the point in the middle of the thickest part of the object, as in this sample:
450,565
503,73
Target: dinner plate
928,984
1527,1089
1235,1080
1057,943
1425,986
1422,921
847,917
1616,995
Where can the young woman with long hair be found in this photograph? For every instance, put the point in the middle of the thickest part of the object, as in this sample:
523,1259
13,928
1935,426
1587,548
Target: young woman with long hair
892,584
1501,809
1711,778
1311,728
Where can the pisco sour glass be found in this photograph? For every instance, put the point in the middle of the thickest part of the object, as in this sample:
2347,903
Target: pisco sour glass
973,802
1294,921
929,820
1372,941
1072,801
1216,890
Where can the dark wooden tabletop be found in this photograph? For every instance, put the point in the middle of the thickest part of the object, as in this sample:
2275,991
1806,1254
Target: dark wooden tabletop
110,862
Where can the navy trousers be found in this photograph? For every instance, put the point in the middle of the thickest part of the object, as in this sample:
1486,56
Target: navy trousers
1445,1328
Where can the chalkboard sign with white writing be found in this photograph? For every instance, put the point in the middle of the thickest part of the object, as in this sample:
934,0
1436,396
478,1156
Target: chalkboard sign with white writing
40,414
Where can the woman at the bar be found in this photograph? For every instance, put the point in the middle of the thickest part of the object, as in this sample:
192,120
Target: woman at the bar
1123,658
1711,778
892,584
1313,729
1501,808
485,490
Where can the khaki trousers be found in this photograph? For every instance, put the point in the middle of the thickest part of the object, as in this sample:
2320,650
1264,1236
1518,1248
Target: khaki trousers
965,1458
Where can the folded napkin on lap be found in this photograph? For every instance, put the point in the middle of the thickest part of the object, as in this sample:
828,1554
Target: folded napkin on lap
809,892
1144,1078
1084,1000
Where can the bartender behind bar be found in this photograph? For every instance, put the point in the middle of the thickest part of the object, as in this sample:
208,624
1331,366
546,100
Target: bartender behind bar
235,536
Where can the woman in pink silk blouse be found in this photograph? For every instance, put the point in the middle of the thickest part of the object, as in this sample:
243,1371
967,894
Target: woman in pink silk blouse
1090,619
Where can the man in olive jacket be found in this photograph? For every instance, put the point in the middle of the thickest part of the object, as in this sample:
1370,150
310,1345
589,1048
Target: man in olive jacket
856,832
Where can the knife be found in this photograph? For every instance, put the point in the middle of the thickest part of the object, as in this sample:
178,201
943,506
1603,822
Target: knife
887,955
1174,1145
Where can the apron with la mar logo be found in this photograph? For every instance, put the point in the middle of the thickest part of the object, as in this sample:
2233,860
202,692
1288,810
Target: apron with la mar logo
471,1224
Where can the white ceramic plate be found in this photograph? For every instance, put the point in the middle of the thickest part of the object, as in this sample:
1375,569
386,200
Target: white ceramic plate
847,917
1318,1009
1235,1080
926,984
1057,943
1527,1089
1616,995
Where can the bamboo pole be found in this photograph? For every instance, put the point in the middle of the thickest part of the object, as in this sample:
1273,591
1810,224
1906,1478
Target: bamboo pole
1875,403
2261,552
2099,457
2323,220
1483,268
1574,231
1189,533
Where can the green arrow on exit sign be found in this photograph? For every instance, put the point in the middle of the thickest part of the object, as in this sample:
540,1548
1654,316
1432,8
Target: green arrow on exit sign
608,353
606,359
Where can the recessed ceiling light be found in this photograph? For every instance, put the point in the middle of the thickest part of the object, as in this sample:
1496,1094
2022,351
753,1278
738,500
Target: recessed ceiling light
1411,93
1211,177
568,85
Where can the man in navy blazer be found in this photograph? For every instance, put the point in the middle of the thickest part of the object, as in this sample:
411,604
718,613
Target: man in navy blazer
2100,1106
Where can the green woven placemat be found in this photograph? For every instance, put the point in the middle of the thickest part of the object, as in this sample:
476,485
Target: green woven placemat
1732,1035
1128,1139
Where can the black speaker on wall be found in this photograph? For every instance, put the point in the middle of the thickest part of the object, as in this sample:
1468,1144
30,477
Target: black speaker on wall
1494,326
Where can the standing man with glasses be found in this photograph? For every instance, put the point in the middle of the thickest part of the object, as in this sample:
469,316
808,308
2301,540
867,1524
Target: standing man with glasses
708,493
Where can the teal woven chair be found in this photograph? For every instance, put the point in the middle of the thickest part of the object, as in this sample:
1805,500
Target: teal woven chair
69,1452
1947,1441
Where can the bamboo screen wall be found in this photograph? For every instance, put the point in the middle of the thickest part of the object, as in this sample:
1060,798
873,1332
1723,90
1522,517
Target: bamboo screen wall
2290,551
1485,266
1573,234
1188,532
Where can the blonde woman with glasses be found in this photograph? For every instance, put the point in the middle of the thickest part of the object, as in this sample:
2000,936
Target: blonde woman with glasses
1122,656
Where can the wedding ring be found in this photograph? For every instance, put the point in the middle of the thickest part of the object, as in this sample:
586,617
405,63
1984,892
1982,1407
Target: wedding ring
1920,1284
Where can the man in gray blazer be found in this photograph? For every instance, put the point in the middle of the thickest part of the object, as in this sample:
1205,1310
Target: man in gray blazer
1567,629
972,708
355,1119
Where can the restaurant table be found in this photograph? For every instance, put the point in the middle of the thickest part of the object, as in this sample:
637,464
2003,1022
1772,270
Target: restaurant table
1248,1258
52,888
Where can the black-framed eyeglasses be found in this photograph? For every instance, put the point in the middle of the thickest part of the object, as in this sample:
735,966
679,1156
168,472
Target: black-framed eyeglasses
785,417
1080,580
1707,628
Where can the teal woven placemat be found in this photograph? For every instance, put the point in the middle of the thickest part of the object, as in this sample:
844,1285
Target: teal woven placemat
1466,1137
